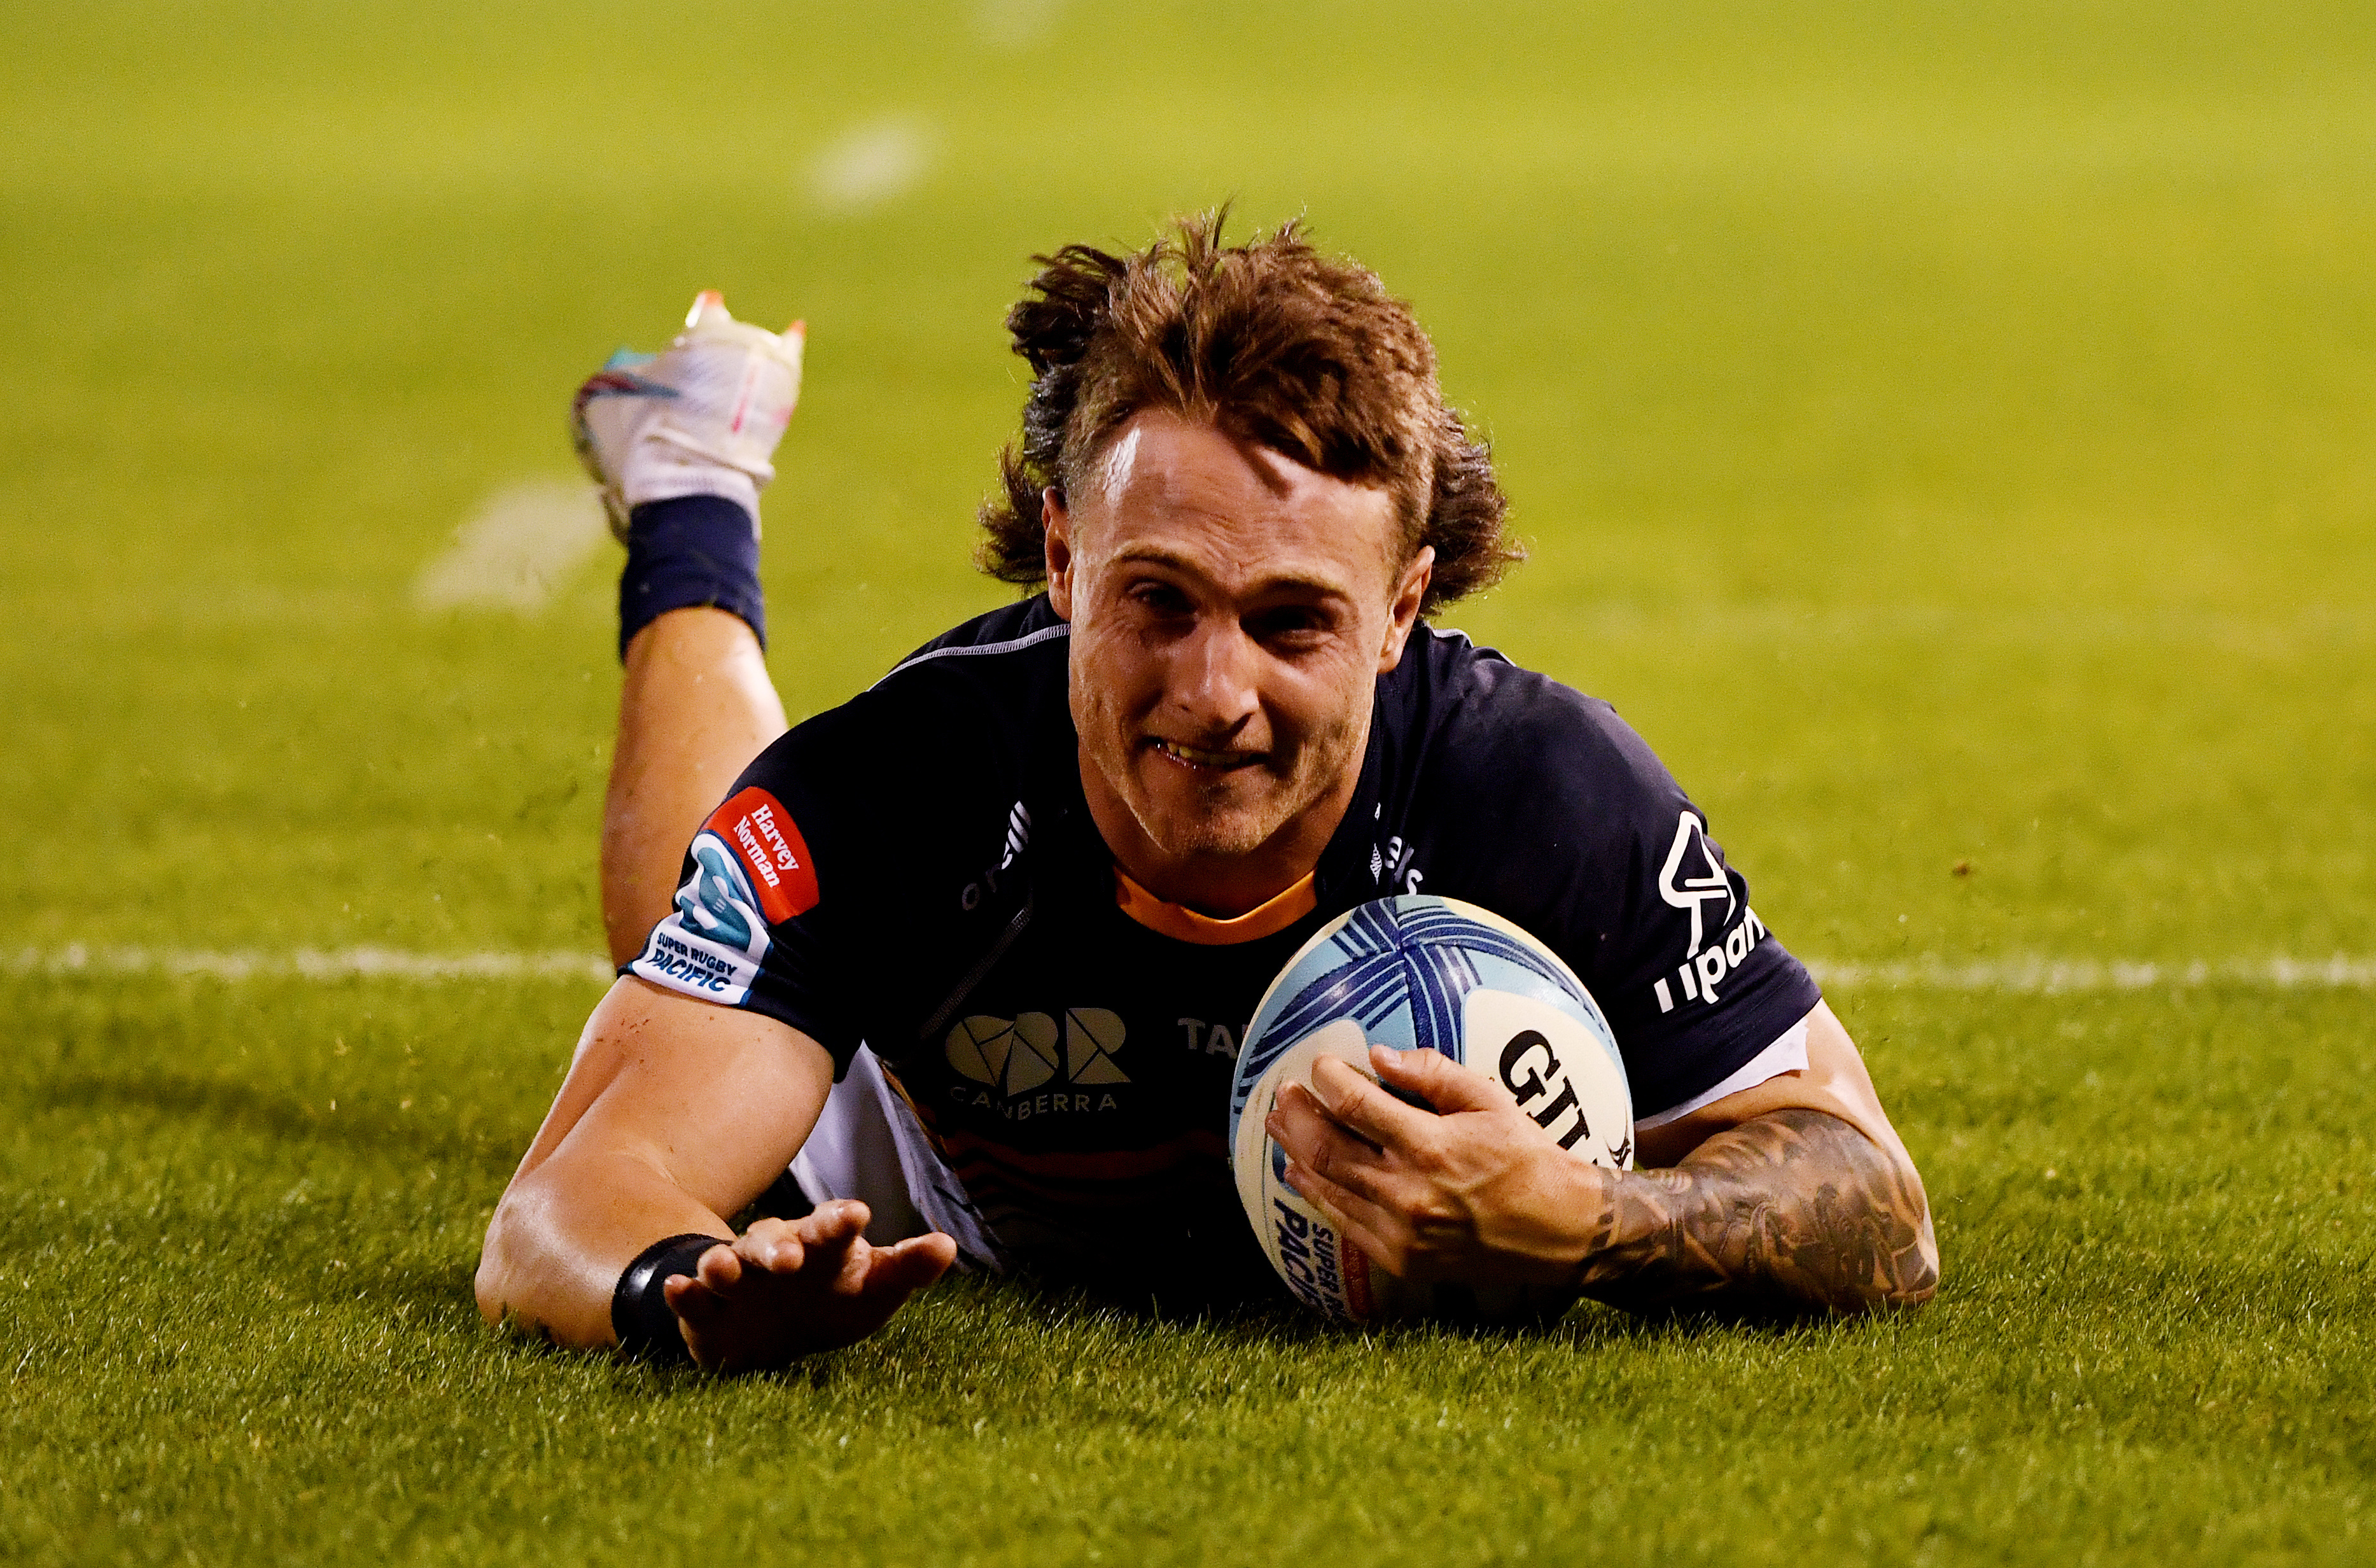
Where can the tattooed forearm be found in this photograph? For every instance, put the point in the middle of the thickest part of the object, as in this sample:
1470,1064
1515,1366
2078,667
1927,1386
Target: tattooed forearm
1792,1210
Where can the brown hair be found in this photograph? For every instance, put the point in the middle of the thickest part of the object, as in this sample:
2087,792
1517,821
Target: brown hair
1269,341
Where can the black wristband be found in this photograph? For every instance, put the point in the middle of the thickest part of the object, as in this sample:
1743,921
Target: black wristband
640,1314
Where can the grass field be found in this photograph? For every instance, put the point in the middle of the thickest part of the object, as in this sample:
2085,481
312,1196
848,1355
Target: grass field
1947,433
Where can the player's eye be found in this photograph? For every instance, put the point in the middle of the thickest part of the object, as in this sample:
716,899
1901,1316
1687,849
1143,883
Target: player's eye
1160,598
1290,626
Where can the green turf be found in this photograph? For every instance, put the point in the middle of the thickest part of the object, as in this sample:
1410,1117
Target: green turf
1947,433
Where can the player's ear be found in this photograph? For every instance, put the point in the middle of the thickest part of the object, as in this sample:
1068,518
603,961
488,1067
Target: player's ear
1411,592
1056,541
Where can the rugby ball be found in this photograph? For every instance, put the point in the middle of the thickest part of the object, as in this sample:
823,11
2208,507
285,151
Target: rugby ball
1419,973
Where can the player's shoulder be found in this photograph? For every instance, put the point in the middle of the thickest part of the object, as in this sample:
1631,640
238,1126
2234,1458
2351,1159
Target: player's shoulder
1013,648
1472,723
960,721
982,690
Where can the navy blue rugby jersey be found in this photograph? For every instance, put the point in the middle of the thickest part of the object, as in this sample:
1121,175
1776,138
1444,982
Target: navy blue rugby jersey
917,870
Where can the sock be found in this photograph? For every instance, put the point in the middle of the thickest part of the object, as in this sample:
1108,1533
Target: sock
693,550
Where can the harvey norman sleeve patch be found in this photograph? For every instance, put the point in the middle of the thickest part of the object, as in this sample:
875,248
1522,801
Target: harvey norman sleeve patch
763,837
747,871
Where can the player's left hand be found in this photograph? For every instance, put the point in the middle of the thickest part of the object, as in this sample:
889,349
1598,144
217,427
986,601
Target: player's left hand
1473,1190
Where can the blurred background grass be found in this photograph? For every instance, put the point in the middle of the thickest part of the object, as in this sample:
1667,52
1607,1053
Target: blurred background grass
1949,423
1944,430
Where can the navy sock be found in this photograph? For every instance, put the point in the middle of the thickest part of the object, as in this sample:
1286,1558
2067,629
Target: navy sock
695,550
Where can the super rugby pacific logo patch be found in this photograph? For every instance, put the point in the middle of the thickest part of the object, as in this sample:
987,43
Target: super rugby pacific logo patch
748,869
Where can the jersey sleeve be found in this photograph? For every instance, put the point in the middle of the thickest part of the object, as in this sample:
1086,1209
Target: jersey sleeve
787,898
1590,843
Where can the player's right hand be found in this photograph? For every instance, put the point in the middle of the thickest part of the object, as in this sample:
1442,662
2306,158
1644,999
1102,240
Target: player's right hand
787,1288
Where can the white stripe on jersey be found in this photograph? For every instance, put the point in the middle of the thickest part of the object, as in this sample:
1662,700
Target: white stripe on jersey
1061,629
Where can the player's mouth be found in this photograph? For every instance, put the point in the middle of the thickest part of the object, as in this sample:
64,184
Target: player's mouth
1199,760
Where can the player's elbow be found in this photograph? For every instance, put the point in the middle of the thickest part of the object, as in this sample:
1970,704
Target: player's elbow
1921,1280
1878,1284
537,1272
1881,1256
1895,1263
506,1269
1905,1268
491,1284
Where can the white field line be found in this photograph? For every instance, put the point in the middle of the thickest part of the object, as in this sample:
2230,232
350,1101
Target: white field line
2038,976
523,543
2020,976
305,963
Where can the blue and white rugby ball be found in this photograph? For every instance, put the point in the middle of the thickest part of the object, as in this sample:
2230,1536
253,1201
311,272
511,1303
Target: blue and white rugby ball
1419,972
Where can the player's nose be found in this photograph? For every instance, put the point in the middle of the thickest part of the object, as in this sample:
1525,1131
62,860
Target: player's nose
1214,678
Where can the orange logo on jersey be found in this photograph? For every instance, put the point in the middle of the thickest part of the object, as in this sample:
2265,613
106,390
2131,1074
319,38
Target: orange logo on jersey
769,844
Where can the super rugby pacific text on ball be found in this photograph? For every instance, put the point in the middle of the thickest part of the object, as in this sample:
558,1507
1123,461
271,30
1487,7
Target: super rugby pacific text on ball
1416,973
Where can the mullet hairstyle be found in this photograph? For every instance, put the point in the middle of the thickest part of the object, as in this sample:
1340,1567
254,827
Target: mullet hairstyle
1270,342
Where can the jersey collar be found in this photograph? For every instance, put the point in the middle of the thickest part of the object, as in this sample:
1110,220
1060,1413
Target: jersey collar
1184,924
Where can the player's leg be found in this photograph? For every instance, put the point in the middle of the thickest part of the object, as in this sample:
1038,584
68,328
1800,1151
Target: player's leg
696,707
681,444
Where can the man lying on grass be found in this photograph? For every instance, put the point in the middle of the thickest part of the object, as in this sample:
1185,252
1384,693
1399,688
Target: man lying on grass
972,953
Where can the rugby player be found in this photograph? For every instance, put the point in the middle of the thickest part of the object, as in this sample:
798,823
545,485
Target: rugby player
957,969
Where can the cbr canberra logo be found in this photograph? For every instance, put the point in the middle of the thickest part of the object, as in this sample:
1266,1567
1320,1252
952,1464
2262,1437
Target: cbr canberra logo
1016,1056
1693,878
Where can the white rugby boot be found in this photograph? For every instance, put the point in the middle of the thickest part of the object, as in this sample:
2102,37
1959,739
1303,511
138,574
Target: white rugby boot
700,418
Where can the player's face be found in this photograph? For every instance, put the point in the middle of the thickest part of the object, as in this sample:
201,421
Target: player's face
1231,611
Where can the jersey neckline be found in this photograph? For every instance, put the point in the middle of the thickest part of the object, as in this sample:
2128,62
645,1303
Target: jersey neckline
1184,924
